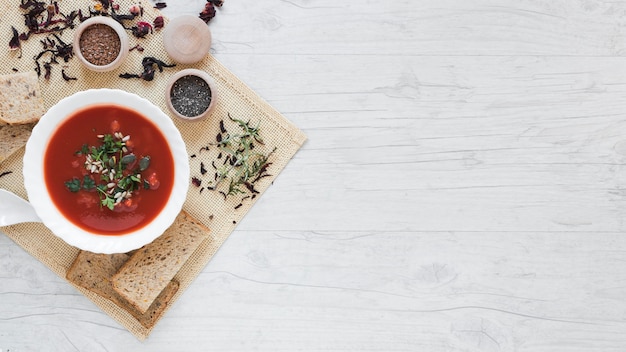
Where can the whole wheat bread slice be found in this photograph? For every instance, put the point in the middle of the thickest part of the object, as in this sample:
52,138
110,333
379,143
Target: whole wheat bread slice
94,271
12,138
150,268
20,98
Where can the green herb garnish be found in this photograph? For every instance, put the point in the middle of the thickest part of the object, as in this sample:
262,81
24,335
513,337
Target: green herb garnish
113,170
242,166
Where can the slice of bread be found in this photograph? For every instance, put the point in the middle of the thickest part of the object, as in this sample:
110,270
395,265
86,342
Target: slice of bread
94,271
20,98
149,269
13,138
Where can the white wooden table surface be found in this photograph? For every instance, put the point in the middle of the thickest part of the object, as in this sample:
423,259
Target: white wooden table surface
463,188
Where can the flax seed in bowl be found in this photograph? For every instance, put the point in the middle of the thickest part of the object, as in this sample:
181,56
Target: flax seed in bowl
101,43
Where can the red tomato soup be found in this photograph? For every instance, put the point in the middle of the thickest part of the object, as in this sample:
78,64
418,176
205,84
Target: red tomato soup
87,192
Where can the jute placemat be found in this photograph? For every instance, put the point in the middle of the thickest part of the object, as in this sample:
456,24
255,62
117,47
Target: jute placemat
220,214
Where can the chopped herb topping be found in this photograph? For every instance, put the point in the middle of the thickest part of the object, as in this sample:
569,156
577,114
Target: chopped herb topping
113,170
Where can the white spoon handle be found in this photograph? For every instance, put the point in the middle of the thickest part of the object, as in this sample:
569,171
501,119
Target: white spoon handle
15,210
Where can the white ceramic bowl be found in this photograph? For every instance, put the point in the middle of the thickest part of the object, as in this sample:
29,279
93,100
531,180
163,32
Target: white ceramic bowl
38,193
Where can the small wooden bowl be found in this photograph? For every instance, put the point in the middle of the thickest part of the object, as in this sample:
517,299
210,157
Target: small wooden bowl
193,73
187,39
119,30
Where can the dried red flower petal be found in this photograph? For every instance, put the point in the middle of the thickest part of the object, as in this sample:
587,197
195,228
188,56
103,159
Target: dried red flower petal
106,4
14,43
148,64
158,22
66,77
48,67
136,47
208,13
217,3
135,10
141,29
81,17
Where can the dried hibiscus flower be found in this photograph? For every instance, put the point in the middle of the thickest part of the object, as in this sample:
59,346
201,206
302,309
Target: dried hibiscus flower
43,17
135,10
141,29
66,77
158,22
54,49
14,43
208,13
148,64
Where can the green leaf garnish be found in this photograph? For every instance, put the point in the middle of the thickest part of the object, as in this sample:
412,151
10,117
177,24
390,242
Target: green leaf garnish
88,183
73,185
107,165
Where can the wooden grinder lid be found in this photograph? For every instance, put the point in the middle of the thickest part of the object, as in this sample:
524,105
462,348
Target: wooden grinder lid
187,39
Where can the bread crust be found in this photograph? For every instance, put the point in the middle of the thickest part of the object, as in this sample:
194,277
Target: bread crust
93,271
150,268
13,138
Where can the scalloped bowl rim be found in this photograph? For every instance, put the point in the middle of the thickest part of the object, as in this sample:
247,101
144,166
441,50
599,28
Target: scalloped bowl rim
42,203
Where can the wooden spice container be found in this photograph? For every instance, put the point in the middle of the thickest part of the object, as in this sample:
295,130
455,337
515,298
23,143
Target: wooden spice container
101,43
191,94
187,39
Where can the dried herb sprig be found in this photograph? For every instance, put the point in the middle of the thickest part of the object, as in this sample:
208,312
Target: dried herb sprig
242,166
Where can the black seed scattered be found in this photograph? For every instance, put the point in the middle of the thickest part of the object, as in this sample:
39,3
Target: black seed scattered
6,173
238,205
222,129
202,169
219,156
192,156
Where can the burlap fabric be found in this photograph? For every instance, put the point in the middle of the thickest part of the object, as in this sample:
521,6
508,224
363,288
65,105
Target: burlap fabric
210,207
